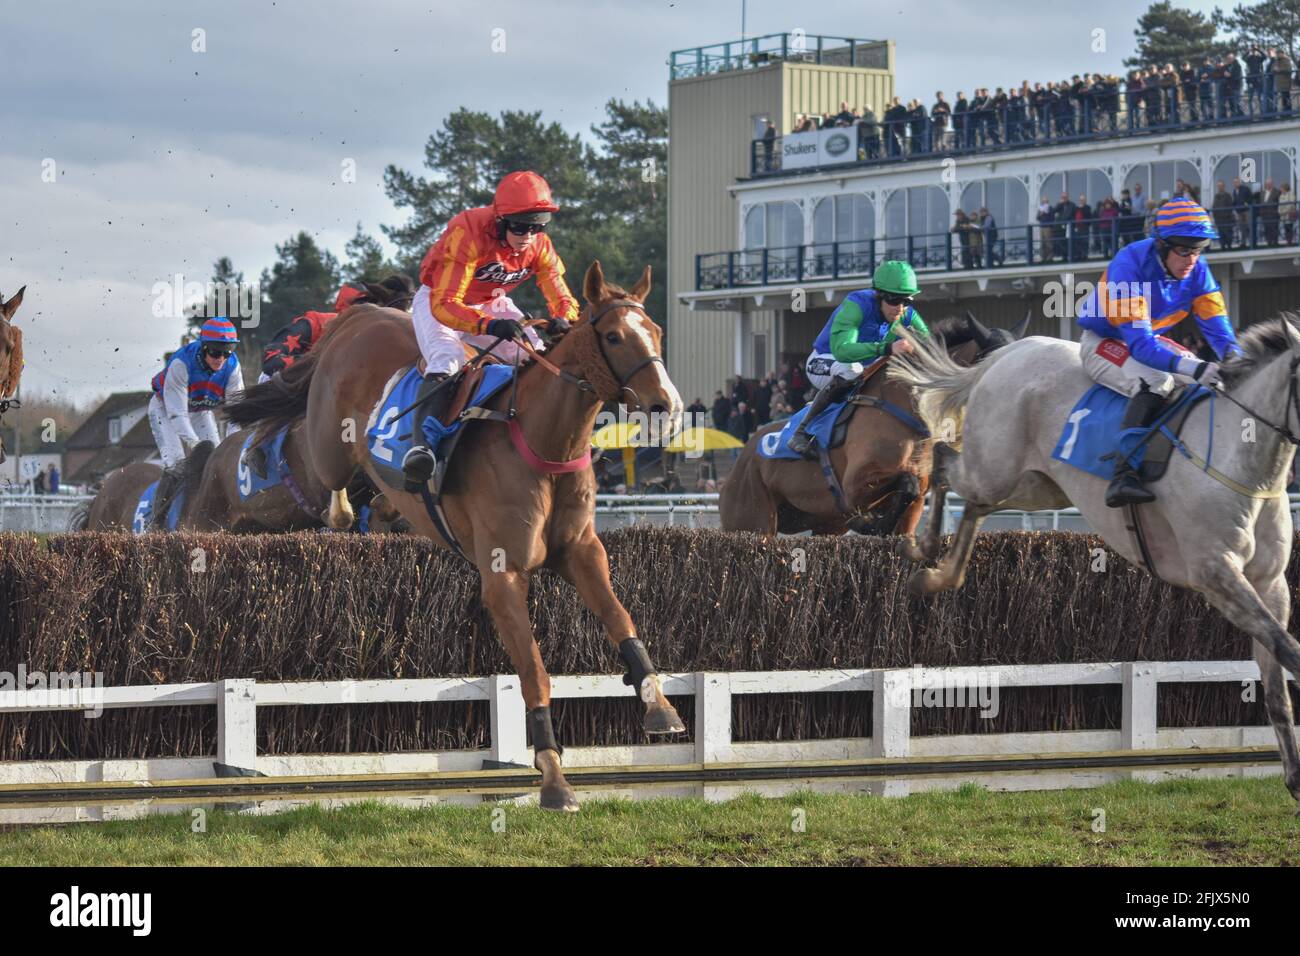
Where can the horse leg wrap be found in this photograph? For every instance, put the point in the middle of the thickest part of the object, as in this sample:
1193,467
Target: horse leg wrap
638,663
543,734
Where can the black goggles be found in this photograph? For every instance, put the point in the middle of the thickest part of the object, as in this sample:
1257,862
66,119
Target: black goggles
218,351
525,228
896,299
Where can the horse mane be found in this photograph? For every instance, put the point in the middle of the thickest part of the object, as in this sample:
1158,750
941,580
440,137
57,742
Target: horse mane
1261,343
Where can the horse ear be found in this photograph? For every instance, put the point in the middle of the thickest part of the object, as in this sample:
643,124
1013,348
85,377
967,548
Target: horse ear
642,287
977,329
1292,336
1019,331
377,293
10,307
593,286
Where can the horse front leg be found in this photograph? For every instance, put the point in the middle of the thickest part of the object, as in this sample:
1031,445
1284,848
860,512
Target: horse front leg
951,572
585,565
928,549
505,593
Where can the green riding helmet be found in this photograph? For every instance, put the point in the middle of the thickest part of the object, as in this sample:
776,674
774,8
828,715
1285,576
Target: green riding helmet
895,276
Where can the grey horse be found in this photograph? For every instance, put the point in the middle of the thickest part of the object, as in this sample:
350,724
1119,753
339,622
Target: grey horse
1225,533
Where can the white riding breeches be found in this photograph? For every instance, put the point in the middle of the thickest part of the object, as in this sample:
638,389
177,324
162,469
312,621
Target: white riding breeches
822,367
1108,362
443,348
169,442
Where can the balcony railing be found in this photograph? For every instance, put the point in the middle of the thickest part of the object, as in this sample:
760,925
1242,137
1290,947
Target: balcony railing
1263,225
1119,115
761,51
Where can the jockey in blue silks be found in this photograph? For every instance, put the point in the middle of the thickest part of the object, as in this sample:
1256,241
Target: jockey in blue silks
1150,286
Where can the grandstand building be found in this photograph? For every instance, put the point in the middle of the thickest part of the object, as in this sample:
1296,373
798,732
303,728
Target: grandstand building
767,236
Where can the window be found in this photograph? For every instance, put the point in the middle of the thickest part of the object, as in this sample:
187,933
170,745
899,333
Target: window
777,226
920,212
849,221
1090,183
1253,168
114,430
1158,179
1007,200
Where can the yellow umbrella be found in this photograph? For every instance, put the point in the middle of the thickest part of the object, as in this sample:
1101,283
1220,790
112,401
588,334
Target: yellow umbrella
702,439
620,435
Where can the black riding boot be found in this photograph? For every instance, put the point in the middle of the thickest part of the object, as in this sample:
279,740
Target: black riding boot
801,443
1127,488
168,485
418,464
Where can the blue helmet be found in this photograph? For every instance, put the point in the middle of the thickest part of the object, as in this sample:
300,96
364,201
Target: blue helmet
219,335
1182,219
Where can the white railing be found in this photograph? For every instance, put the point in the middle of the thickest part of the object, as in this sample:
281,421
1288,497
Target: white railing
39,513
894,693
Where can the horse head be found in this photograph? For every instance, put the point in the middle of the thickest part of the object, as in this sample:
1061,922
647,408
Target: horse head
621,353
990,340
11,345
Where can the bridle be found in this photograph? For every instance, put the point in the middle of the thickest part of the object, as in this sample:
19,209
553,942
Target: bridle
1293,402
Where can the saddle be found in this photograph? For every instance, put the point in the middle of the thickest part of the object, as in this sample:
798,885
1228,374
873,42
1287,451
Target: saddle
1160,446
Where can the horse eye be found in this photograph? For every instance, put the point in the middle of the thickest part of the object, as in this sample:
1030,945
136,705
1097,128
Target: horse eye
611,338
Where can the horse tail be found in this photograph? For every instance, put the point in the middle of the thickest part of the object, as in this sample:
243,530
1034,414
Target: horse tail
80,519
195,464
943,386
282,399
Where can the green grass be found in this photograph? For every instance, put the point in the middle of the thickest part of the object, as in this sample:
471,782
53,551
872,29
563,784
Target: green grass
1182,822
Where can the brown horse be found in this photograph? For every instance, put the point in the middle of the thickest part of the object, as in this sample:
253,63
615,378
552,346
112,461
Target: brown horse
509,516
114,506
882,467
11,353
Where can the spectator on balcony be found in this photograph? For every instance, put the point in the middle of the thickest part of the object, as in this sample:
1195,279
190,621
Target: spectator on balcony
1207,86
1286,210
1064,216
939,114
1046,217
781,402
998,117
769,141
721,411
1169,93
800,124
1127,231
1133,92
763,401
981,110
1078,103
1222,211
1151,97
1242,199
1282,81
1018,125
989,235
828,121
919,127
1038,102
1082,228
895,124
1269,199
868,134
845,116
1255,94
962,228
1187,191
1232,83
1139,201
1108,227
1187,80
961,122
1064,106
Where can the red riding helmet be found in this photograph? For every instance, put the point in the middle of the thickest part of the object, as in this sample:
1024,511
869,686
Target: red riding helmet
524,197
347,295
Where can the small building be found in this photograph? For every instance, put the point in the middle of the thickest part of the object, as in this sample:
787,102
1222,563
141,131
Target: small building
116,434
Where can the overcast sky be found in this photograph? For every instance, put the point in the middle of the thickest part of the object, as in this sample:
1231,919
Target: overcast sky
166,158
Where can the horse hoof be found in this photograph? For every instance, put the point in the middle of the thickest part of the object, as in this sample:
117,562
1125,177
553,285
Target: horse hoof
930,548
663,720
925,581
906,548
559,797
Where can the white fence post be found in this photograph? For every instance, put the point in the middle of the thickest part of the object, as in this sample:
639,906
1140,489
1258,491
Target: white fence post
509,720
891,713
1138,723
712,717
237,723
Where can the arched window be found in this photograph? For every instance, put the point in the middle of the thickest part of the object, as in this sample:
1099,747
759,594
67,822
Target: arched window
777,227
1093,184
921,213
843,228
1253,168
1007,200
1158,180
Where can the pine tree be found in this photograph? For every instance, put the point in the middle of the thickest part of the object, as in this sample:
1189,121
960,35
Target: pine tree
1270,23
1167,34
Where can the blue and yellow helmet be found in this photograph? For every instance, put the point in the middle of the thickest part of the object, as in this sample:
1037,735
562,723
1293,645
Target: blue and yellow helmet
1185,222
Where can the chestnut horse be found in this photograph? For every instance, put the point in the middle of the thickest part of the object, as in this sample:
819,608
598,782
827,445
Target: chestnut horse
113,508
11,354
883,466
516,498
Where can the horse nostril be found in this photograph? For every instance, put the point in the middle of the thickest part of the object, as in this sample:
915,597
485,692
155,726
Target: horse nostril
658,409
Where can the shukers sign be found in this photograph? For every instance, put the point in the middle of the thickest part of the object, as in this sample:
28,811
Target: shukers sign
821,147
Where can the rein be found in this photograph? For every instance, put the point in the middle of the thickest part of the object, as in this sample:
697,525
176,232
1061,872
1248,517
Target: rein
1293,402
